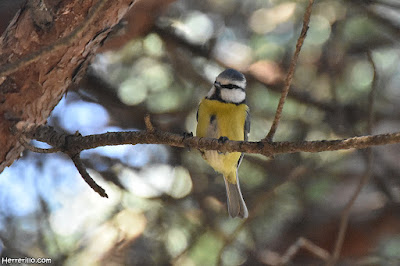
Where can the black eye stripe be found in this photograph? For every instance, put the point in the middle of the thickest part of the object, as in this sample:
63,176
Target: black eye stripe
231,86
227,86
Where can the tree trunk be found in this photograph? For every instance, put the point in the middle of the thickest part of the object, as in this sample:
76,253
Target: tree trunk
47,46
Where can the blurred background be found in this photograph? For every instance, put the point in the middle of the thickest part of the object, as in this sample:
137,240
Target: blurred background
166,205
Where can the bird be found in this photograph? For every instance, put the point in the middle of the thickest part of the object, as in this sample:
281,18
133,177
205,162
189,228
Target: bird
223,114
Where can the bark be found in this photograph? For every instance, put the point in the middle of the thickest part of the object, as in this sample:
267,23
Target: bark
46,47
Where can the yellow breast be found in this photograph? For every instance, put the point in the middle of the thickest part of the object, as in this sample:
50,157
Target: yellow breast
229,117
216,119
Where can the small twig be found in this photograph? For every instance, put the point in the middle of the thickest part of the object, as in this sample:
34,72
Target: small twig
307,245
85,175
364,179
63,42
60,143
32,148
297,94
371,95
289,77
147,122
344,220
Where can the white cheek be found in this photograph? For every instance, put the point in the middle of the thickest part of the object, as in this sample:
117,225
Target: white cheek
233,95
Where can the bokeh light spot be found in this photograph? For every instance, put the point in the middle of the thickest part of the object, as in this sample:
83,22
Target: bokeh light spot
132,91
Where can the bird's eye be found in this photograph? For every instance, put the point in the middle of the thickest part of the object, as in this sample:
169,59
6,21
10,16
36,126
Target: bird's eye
217,85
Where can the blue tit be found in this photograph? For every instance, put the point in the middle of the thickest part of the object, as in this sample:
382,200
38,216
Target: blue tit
223,114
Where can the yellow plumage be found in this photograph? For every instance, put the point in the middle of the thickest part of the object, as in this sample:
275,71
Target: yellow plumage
229,122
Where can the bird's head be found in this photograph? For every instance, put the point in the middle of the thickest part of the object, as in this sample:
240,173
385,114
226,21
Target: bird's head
229,86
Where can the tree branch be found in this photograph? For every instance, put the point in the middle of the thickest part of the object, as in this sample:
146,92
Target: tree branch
289,77
72,145
85,175
77,143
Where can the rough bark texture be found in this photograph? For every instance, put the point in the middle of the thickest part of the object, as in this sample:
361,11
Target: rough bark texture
32,91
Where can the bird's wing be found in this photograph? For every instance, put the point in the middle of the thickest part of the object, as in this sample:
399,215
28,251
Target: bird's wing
246,133
247,125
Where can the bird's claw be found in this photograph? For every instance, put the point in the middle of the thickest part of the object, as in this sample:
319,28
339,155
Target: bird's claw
222,139
187,134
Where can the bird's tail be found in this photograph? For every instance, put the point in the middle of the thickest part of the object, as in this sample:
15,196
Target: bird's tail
236,205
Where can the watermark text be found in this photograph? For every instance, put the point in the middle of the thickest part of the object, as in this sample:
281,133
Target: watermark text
25,260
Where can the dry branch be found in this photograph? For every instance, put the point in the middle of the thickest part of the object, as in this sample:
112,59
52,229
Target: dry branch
289,77
72,145
85,175
77,143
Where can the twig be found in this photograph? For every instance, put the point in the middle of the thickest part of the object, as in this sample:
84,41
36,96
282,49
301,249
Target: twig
61,143
289,77
364,179
85,175
371,95
32,148
297,94
344,220
63,42
306,244
147,122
